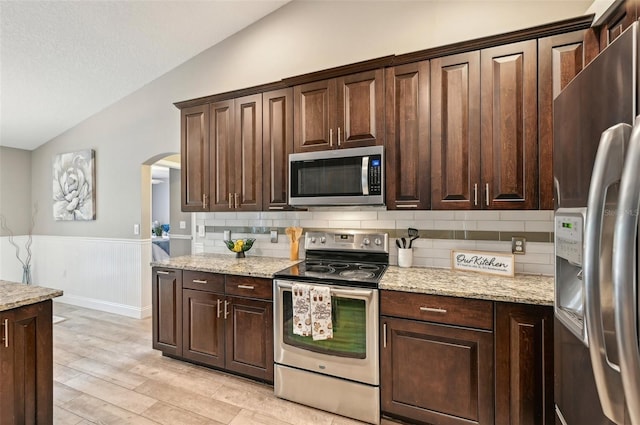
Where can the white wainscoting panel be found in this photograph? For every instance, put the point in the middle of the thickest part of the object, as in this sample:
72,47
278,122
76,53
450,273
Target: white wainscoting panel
105,274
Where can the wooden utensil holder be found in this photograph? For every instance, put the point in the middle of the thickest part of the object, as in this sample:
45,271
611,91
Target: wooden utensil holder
293,253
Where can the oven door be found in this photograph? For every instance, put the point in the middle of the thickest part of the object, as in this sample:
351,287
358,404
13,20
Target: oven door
352,353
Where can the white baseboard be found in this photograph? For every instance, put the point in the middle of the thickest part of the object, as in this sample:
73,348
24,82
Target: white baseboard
109,307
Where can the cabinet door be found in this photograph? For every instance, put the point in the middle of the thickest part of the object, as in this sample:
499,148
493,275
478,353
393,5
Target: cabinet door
203,327
194,125
26,364
509,134
360,110
221,137
314,116
249,337
560,58
407,138
455,131
167,310
437,374
524,364
247,154
277,139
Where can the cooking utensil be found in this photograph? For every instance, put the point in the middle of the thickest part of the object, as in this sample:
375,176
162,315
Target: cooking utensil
413,234
404,242
398,243
294,234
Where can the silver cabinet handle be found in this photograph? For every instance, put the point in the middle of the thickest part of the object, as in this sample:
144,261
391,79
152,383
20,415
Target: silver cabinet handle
246,287
218,302
486,186
384,336
606,173
199,281
475,194
433,310
624,275
230,200
338,136
162,272
276,208
226,312
236,201
204,201
6,333
407,206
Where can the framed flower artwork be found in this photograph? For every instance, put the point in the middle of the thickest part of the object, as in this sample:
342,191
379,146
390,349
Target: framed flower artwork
74,195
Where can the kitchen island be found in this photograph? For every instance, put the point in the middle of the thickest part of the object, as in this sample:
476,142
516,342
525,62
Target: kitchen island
26,353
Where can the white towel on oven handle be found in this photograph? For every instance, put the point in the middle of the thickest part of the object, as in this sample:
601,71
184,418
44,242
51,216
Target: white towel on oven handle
320,298
301,309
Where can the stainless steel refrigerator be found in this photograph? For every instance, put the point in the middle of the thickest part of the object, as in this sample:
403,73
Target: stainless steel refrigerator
597,194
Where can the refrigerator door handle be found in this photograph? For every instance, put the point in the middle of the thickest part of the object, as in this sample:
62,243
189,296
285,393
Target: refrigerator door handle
597,272
624,276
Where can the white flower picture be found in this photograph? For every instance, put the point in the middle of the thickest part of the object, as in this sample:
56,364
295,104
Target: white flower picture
73,186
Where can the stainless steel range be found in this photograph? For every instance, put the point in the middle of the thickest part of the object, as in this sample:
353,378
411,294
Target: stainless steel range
339,374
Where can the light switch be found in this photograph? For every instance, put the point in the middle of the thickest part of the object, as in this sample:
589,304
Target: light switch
183,224
227,235
136,229
274,236
201,230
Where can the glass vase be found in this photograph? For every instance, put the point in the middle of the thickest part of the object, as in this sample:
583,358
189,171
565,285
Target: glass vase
26,274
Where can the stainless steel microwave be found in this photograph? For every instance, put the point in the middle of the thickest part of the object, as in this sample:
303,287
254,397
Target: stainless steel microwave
337,177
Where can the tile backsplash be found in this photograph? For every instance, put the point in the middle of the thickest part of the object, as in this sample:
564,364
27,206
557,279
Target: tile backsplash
440,232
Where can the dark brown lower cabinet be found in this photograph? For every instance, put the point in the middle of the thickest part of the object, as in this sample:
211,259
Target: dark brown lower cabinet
26,365
166,300
436,374
217,320
524,364
249,337
203,327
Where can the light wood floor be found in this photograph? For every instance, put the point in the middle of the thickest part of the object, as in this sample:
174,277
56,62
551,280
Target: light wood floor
105,372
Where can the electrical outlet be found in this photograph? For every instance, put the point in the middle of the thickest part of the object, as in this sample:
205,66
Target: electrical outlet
183,224
227,235
518,244
201,230
274,236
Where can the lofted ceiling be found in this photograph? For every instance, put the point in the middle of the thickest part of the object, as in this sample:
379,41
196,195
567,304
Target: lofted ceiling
63,61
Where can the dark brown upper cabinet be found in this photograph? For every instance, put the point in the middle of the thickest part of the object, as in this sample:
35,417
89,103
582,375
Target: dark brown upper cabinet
455,131
277,144
195,158
509,131
343,112
560,58
407,136
235,137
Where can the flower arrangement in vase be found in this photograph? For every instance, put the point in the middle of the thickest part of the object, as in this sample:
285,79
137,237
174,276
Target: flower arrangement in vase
26,264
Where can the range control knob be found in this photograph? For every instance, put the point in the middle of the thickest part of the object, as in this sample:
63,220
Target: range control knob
323,239
366,241
313,239
377,242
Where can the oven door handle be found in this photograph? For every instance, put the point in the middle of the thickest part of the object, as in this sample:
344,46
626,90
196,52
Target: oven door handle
334,291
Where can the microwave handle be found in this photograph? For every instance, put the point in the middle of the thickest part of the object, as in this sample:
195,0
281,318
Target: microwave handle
365,175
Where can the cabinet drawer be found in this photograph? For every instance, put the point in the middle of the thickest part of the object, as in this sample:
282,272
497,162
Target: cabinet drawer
252,287
440,309
203,281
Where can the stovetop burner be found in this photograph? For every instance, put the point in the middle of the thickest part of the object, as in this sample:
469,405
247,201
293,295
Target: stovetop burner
351,258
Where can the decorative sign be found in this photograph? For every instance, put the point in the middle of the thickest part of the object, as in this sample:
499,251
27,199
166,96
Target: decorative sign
497,263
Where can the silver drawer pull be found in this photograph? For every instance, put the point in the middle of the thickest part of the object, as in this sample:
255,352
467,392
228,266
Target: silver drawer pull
407,206
433,310
6,333
276,208
245,287
162,272
199,281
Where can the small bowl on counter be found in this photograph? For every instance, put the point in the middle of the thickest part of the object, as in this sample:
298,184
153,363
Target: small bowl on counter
239,246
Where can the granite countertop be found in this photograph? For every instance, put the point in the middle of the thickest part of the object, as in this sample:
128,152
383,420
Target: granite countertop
524,289
227,263
13,295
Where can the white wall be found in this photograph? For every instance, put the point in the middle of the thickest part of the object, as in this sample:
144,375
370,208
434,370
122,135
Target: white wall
303,36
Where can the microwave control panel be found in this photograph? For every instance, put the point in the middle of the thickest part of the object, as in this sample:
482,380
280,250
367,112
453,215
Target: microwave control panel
569,230
375,175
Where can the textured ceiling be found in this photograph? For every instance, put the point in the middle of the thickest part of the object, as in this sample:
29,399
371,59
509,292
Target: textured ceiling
63,61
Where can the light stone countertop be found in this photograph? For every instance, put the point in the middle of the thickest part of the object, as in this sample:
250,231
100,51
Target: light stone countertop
524,289
13,295
227,264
